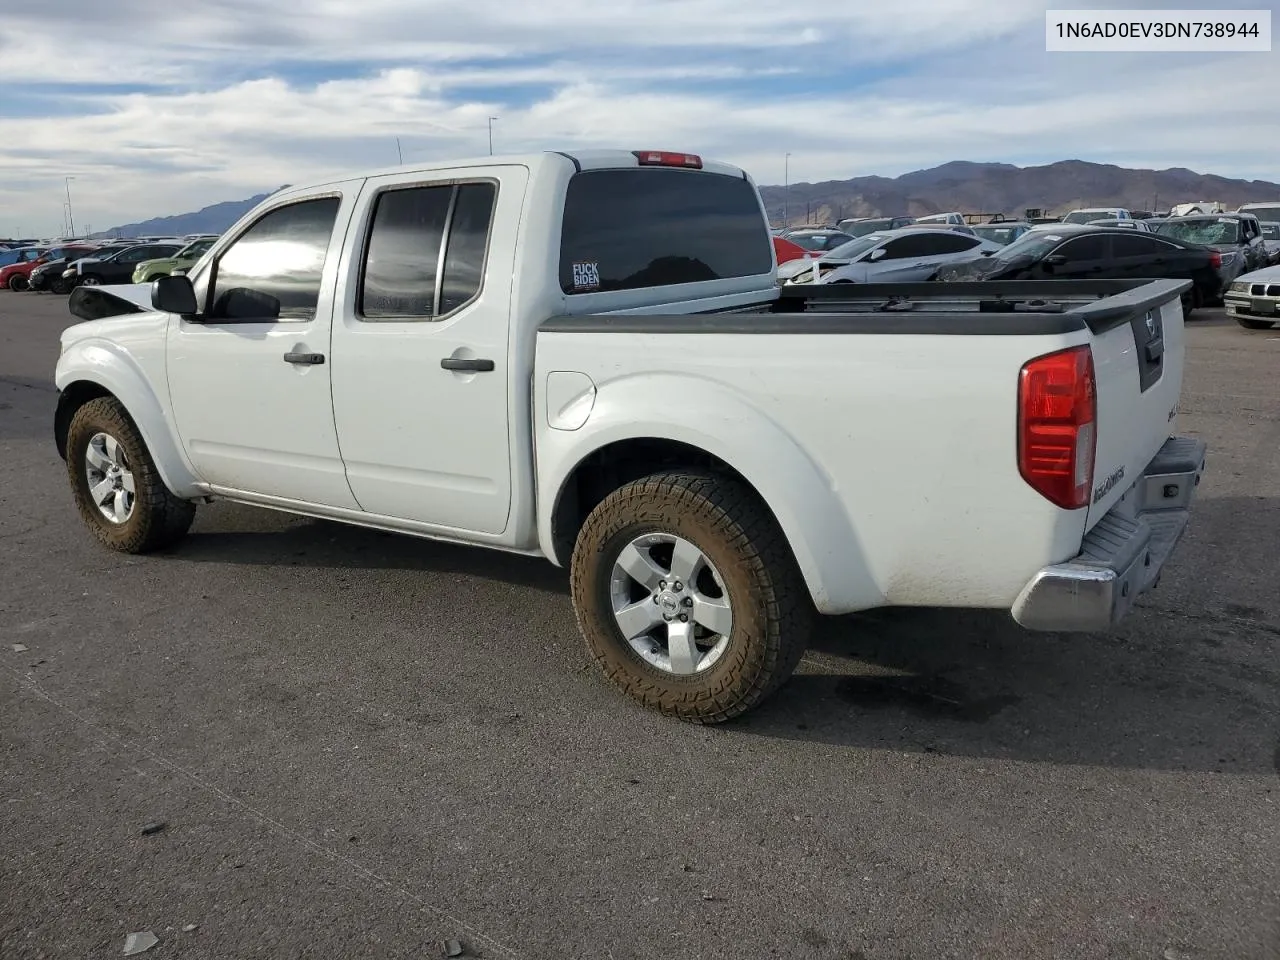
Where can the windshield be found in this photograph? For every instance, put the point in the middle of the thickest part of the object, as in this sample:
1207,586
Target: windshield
854,248
1088,216
1032,244
809,241
194,249
864,227
1001,235
1208,231
1262,211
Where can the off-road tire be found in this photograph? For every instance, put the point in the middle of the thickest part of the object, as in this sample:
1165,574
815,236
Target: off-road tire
159,519
18,283
772,611
1250,324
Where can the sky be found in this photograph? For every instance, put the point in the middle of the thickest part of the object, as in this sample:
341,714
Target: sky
163,108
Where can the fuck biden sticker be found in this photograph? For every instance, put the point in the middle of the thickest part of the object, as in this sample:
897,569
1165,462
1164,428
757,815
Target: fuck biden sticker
586,275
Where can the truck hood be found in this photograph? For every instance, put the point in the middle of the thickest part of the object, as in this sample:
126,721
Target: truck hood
112,300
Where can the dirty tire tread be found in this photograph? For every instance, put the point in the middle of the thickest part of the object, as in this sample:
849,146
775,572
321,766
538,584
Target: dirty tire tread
780,609
159,518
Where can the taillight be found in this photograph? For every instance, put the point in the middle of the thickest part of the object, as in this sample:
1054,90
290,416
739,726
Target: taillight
1215,260
664,158
1057,426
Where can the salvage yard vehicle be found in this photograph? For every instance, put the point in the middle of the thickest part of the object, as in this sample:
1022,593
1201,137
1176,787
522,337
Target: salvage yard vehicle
184,259
586,357
913,253
1253,299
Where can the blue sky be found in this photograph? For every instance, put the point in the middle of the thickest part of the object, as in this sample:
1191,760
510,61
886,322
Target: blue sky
157,109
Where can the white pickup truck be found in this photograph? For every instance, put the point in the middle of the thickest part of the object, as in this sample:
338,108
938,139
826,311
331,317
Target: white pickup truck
586,357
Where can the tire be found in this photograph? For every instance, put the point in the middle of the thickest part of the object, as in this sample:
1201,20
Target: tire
156,518
746,559
1250,324
18,283
91,280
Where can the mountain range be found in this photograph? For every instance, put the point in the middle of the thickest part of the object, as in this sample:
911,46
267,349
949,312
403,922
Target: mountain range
960,185
211,219
1055,188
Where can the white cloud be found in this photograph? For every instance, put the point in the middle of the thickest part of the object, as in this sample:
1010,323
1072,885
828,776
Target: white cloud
857,89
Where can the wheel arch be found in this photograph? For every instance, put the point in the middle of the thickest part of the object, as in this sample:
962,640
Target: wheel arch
576,472
91,370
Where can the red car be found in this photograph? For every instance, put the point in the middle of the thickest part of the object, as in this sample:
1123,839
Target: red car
14,276
785,249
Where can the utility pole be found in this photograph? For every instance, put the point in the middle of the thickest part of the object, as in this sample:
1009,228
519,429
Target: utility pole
491,119
398,153
786,190
70,219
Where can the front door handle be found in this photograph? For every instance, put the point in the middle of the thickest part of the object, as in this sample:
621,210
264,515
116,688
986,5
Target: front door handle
475,366
304,358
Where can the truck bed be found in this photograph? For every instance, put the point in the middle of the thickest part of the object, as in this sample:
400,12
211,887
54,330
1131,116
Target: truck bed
882,418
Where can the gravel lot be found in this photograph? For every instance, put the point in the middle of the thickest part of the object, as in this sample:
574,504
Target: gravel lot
363,745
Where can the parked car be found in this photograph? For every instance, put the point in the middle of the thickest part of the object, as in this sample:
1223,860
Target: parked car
17,276
1238,237
1253,299
184,259
933,219
1271,241
862,227
702,535
817,241
119,267
941,225
786,251
1089,214
896,256
1269,212
50,276
1001,231
20,255
1086,252
1142,226
1196,207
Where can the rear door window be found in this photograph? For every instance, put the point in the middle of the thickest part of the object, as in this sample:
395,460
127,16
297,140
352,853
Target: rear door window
630,229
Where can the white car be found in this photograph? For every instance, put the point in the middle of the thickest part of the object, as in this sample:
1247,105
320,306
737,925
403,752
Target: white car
911,254
585,356
1253,299
1090,214
1131,224
954,217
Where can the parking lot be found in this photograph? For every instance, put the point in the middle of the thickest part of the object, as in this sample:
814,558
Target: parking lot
362,745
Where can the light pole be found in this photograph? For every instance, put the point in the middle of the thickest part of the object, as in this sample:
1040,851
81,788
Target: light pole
786,190
491,119
70,219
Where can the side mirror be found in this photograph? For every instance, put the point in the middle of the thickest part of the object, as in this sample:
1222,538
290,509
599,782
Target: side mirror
876,254
174,295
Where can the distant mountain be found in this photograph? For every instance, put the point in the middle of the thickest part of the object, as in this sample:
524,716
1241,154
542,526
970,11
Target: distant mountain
1005,188
214,219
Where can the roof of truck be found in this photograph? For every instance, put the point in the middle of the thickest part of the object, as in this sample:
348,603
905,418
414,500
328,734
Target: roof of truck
584,159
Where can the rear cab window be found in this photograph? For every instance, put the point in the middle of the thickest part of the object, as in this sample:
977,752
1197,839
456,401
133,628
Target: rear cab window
628,229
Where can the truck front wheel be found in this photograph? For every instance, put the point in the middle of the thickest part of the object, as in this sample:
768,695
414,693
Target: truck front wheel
117,488
688,596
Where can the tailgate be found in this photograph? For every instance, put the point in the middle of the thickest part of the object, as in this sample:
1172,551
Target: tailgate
1138,365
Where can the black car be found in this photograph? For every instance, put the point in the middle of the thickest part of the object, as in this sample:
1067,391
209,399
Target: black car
48,276
118,268
1082,252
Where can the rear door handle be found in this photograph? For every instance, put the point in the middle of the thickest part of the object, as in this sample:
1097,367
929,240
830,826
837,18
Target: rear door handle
475,366
304,358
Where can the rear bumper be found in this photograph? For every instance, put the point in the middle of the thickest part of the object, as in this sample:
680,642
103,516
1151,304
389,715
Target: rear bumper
1122,556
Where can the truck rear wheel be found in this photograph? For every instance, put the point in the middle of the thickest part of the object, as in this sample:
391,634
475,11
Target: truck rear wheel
117,488
688,596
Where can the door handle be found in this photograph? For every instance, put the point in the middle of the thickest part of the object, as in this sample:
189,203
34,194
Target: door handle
474,366
304,358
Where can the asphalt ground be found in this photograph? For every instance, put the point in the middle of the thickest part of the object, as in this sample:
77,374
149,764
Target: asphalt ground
363,745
